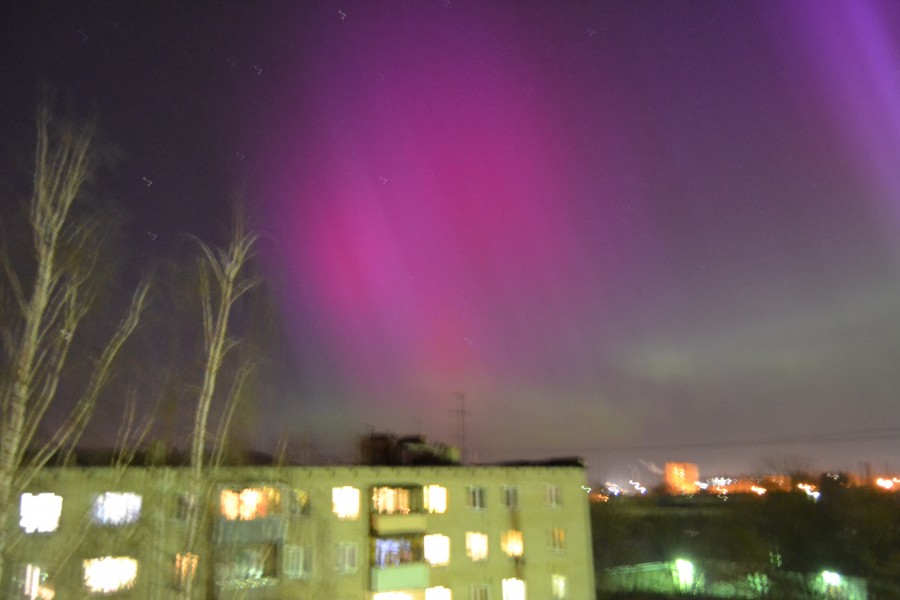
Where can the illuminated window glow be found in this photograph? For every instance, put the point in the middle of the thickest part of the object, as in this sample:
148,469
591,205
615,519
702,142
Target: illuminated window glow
393,551
110,574
436,500
437,593
557,539
35,584
39,513
513,589
345,502
393,596
559,587
185,569
392,501
299,502
114,508
248,504
476,545
437,549
512,543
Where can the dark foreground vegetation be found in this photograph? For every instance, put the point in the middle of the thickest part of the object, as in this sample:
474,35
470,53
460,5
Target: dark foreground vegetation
849,530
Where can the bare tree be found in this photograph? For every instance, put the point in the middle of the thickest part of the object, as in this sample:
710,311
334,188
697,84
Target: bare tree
223,282
49,305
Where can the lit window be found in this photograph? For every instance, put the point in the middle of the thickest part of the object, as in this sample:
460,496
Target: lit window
436,500
185,569
559,589
296,562
476,545
345,557
345,502
246,564
300,503
557,539
398,550
437,549
39,513
391,501
554,498
511,497
110,574
437,593
479,591
512,543
35,585
248,504
113,508
392,596
513,589
475,498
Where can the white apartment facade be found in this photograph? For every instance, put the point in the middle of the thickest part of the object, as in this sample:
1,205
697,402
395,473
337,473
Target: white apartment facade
335,533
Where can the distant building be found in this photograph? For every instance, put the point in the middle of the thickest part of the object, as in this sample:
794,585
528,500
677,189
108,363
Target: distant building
681,478
436,532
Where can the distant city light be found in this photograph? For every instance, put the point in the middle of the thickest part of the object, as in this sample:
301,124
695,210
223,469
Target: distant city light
810,490
684,572
637,486
759,490
887,484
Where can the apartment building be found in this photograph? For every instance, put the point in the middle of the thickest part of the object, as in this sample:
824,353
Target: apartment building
427,532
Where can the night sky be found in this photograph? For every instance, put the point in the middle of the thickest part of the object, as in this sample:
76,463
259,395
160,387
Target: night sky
631,231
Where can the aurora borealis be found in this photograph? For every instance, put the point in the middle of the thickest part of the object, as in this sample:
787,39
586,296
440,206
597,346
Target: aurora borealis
644,225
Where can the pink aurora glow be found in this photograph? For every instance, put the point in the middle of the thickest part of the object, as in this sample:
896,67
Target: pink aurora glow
440,245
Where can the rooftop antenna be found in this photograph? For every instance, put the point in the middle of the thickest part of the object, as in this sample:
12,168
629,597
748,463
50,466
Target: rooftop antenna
461,425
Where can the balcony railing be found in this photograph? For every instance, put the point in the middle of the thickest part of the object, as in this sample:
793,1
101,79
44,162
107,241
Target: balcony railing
400,577
399,523
268,529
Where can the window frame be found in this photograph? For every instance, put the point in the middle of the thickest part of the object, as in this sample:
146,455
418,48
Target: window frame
557,540
510,495
343,551
296,555
476,497
554,495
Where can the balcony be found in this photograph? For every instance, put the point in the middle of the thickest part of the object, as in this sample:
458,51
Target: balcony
268,529
399,523
400,577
